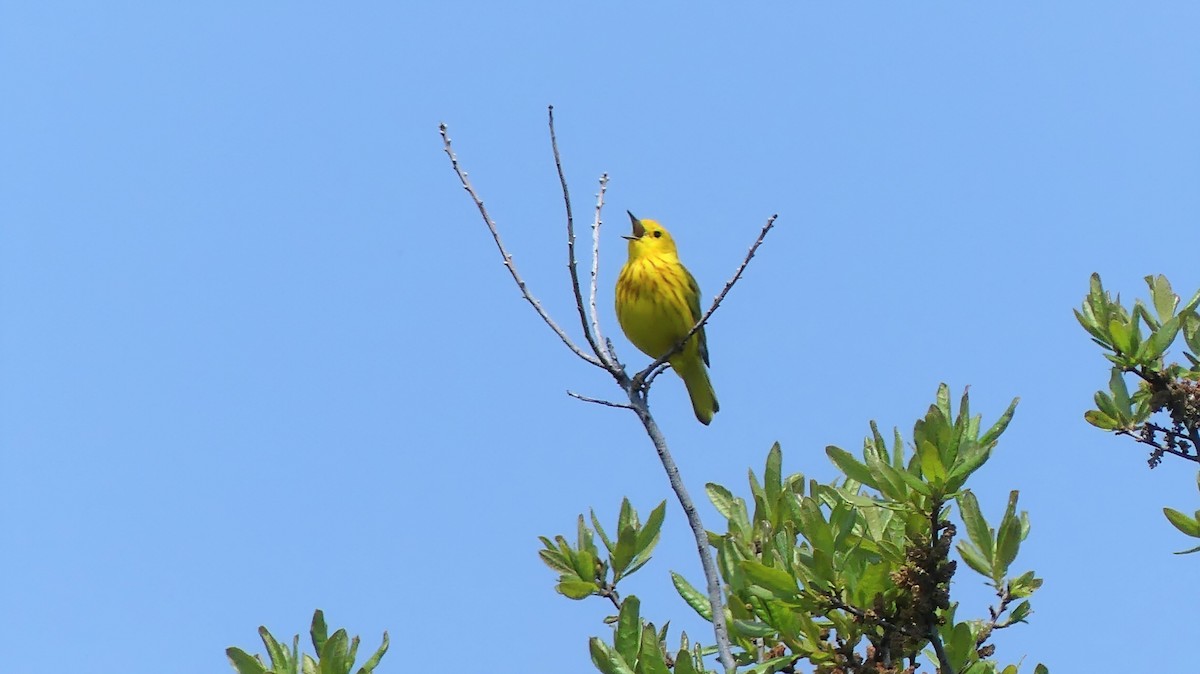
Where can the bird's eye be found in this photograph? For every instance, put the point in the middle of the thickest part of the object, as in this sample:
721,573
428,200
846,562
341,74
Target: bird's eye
657,235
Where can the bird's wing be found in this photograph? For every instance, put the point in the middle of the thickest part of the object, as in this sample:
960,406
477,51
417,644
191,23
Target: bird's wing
694,306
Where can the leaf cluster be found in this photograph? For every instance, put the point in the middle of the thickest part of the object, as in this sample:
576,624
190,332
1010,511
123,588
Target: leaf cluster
585,571
1164,410
852,576
1136,341
855,575
335,653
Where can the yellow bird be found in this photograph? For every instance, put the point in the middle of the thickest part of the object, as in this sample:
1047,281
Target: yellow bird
658,302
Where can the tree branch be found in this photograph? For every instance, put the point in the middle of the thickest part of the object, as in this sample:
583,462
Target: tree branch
571,263
641,376
606,403
713,579
605,351
938,649
508,260
1147,436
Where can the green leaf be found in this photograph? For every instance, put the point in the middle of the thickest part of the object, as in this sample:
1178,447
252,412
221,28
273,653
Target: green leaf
779,582
626,546
629,629
961,646
915,483
852,467
993,434
647,538
1123,337
555,561
694,598
977,528
650,657
243,662
1160,340
1041,669
1116,384
584,564
1182,522
753,628
813,526
1165,300
281,660
606,659
971,456
943,401
627,517
683,663
1101,420
608,545
931,463
1106,404
576,588
773,475
975,559
373,662
319,631
1019,613
583,537
332,658
637,564
1024,585
722,499
770,666
1008,540
888,480
859,500
1088,321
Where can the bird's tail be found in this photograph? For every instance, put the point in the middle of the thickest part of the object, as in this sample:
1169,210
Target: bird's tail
704,399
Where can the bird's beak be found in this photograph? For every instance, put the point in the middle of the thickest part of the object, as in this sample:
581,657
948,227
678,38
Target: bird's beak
638,230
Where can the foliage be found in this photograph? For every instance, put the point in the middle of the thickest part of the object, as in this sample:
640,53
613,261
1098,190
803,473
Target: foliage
852,576
335,653
1164,410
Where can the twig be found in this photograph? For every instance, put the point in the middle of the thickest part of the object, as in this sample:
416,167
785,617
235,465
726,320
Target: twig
605,353
870,618
1146,437
939,650
994,613
606,403
651,377
571,264
508,261
610,592
641,376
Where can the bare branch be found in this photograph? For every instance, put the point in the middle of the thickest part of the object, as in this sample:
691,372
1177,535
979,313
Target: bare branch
943,659
663,367
571,264
641,376
508,260
605,352
606,403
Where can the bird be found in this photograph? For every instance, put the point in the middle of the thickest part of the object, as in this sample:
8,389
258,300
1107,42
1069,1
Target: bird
658,302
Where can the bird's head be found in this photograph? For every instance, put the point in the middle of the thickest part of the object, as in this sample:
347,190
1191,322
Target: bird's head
649,239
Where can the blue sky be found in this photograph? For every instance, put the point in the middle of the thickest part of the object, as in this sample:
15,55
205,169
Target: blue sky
259,354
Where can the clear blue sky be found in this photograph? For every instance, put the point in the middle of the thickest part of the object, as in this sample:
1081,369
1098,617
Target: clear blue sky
258,354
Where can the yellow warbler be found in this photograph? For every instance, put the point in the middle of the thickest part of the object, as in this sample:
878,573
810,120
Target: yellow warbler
658,302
